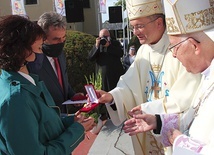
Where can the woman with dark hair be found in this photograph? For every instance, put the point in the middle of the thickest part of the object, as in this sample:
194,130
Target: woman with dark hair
30,122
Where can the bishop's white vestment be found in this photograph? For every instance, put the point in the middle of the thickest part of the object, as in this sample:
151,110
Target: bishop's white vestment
159,83
196,123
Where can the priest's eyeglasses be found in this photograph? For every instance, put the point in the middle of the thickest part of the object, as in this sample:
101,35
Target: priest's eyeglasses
140,26
179,43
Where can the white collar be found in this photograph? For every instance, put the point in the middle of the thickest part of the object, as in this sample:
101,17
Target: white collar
28,77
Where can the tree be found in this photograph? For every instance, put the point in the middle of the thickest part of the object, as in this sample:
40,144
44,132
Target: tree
120,2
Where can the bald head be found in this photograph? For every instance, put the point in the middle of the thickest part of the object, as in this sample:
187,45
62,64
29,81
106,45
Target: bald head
104,32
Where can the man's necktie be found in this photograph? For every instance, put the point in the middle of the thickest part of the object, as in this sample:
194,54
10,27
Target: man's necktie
58,70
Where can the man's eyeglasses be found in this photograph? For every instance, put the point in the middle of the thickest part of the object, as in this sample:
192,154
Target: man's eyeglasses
173,46
140,26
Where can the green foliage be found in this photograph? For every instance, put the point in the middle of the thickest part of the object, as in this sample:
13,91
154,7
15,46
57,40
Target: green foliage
94,115
120,3
96,80
80,69
77,47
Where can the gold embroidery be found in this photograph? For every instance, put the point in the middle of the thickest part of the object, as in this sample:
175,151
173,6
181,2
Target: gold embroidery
156,89
211,10
195,20
156,68
211,2
171,27
156,71
199,19
157,147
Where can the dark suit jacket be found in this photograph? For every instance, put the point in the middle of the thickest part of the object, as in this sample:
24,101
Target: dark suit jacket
109,62
47,74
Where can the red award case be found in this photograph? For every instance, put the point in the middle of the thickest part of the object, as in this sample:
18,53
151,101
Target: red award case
93,100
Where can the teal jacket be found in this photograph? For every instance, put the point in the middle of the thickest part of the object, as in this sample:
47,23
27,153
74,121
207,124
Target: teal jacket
29,123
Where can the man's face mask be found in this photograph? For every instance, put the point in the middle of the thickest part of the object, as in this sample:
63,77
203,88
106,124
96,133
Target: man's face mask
53,50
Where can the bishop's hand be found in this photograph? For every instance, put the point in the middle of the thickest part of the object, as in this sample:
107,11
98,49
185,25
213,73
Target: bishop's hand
136,110
140,123
173,134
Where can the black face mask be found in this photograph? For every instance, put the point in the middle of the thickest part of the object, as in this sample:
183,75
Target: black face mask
53,50
37,63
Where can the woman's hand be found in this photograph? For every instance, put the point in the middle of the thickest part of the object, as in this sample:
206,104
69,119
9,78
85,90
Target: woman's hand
87,123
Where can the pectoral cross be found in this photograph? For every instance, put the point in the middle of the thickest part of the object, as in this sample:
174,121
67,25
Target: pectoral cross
156,89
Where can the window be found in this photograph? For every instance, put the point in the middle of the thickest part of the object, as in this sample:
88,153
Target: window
86,4
29,2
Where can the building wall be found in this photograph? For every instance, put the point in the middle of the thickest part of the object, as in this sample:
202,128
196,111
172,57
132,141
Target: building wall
92,19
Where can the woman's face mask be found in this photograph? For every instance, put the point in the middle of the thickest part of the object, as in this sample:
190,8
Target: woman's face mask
53,50
36,65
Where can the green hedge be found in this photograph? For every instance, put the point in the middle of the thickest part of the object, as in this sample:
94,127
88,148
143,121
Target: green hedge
77,47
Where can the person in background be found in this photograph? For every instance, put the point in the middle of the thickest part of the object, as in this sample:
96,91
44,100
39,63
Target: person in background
129,58
193,46
155,82
107,53
30,121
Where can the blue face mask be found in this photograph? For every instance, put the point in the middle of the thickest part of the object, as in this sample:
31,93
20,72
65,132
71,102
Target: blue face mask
36,65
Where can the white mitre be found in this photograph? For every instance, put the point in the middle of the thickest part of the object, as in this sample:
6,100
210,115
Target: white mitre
142,8
187,16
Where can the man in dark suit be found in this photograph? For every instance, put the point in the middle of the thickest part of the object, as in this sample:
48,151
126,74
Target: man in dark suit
45,64
51,65
107,53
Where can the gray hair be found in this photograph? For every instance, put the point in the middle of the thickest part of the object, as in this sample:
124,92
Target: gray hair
156,16
51,19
